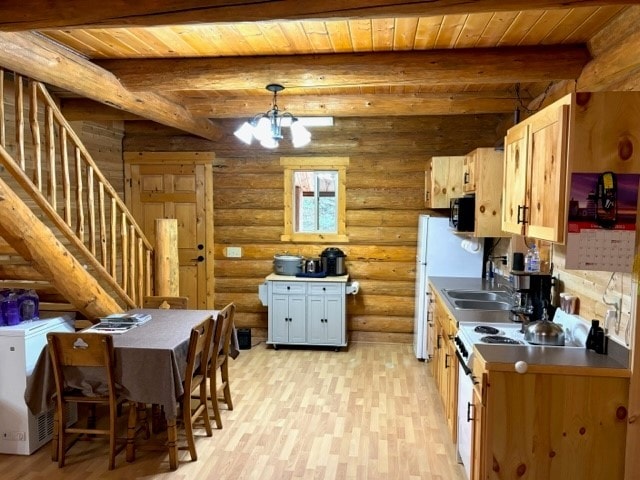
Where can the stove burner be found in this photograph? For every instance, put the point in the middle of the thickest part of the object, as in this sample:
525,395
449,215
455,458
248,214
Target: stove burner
486,329
500,339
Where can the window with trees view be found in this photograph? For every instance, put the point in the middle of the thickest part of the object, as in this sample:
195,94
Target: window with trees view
314,199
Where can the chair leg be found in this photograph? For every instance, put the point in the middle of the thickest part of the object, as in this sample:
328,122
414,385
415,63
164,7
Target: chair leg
205,409
188,427
113,413
224,372
55,441
213,389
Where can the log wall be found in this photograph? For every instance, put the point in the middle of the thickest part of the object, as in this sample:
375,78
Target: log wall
385,195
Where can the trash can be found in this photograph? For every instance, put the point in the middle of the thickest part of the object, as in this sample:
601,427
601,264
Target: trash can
244,338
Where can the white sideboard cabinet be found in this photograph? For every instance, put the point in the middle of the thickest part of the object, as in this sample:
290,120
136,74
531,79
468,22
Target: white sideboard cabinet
306,311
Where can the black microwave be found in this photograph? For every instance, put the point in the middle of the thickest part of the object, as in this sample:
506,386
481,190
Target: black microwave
462,213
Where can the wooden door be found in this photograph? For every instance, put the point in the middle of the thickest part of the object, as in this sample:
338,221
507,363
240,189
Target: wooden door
548,160
515,178
177,185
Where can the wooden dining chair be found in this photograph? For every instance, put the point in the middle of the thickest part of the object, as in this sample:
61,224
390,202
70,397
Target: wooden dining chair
220,363
195,383
93,350
175,303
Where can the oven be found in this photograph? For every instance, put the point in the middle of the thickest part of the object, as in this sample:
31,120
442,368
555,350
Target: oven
508,333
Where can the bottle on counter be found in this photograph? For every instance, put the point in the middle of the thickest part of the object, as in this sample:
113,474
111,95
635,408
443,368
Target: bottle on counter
596,339
532,260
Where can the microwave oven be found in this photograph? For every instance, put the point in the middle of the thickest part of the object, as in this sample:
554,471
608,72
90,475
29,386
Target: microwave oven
462,213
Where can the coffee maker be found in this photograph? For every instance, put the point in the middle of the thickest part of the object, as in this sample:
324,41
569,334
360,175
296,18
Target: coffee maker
531,295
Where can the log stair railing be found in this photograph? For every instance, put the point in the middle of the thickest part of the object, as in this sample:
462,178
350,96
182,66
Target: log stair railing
60,176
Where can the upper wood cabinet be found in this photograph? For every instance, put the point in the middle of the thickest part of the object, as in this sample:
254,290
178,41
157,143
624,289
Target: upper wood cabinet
443,181
485,168
535,162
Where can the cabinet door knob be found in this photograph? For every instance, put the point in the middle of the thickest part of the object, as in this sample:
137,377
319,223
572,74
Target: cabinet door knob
288,288
324,289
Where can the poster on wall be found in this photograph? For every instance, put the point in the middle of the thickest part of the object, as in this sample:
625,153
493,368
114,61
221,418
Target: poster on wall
602,221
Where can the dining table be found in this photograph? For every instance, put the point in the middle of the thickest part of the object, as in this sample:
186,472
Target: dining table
150,363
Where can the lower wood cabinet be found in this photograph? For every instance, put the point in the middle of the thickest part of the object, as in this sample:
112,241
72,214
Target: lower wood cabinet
550,426
445,363
303,312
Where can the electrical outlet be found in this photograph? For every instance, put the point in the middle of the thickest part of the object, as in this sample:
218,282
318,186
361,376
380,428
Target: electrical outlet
234,252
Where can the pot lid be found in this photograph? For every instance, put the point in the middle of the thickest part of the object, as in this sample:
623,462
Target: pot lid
332,252
286,256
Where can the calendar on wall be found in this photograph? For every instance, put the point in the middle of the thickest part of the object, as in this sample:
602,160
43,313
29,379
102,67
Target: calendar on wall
601,228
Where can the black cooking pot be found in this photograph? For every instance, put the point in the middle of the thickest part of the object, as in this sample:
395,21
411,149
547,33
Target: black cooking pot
332,260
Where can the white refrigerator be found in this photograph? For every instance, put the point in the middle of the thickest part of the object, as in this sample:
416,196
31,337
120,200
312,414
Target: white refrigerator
439,254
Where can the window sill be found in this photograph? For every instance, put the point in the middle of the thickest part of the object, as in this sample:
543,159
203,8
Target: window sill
315,238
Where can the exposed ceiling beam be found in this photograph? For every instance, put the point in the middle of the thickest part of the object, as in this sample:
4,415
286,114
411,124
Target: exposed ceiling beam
36,57
75,109
614,67
369,105
434,67
313,105
39,14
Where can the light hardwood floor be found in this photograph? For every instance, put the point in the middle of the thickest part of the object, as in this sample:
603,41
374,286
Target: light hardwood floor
370,412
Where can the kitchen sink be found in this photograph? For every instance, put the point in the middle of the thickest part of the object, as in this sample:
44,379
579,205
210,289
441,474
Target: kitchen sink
481,305
477,295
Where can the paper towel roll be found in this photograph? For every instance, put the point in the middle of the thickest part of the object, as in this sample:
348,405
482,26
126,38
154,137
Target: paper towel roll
352,288
471,245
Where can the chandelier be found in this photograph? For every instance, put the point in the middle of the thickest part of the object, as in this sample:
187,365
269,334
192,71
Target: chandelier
267,127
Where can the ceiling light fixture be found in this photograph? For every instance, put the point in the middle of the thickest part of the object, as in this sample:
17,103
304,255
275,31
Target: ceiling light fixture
267,127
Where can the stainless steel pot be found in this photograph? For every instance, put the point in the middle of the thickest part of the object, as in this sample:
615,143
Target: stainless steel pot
544,332
285,264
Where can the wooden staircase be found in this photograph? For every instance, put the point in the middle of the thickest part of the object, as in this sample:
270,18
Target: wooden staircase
65,231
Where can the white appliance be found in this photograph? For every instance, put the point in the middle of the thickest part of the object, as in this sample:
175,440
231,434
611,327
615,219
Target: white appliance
440,254
21,432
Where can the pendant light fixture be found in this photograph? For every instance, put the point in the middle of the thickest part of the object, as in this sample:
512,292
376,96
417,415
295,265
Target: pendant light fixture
267,127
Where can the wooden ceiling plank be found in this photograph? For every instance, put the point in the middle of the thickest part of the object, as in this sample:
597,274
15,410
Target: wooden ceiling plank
382,33
450,30
37,57
364,69
545,24
318,36
427,32
404,35
594,23
472,30
340,36
497,27
254,36
18,15
518,29
361,35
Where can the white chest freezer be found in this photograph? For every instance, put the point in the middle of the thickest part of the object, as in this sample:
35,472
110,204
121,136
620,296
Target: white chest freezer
21,432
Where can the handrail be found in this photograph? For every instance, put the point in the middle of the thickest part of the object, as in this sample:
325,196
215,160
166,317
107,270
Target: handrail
63,182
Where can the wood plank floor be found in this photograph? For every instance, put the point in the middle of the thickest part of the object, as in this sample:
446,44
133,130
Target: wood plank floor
370,412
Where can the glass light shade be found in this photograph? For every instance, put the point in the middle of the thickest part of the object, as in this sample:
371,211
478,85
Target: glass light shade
245,133
262,130
269,142
300,136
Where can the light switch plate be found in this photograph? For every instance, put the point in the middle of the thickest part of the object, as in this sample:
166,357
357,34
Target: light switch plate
234,252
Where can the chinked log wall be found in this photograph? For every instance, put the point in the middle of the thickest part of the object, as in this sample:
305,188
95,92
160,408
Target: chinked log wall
385,195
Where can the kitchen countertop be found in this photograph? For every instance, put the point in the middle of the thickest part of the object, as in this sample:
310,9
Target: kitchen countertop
293,278
539,359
